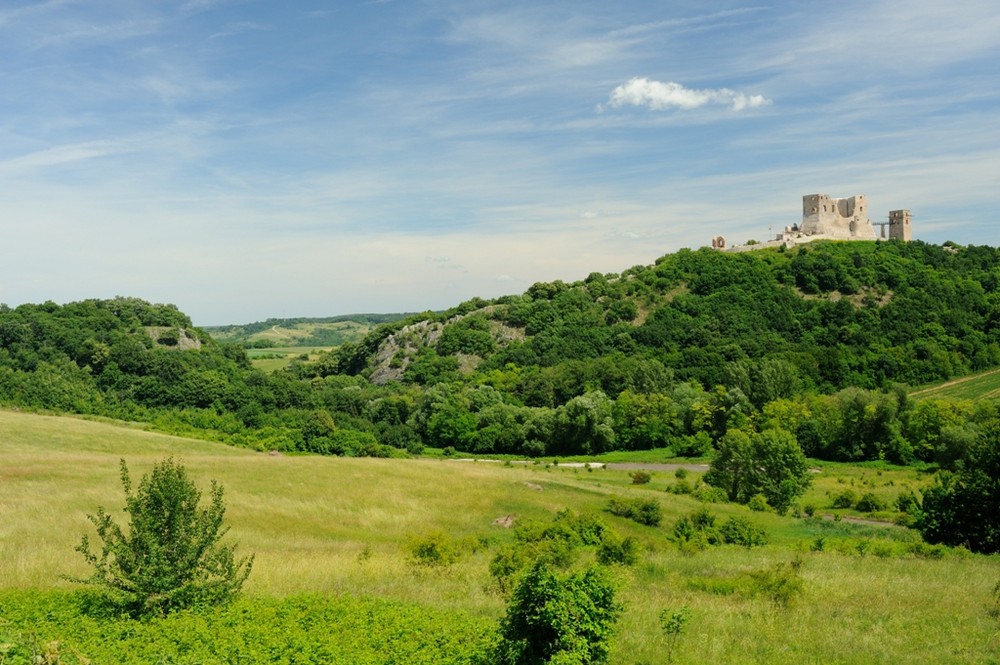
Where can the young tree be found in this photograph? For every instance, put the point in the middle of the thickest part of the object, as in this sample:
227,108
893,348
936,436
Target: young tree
169,557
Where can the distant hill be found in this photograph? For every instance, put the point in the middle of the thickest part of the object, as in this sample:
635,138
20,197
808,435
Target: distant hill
302,332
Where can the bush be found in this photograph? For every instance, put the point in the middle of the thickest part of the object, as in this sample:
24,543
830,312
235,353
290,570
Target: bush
616,550
433,550
780,584
869,503
740,531
643,511
844,499
758,503
555,619
170,556
641,477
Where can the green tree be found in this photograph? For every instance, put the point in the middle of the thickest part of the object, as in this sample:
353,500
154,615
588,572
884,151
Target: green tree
769,463
170,556
964,508
556,619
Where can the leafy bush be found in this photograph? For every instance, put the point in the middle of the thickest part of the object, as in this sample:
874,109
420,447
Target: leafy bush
170,556
641,477
617,550
434,550
643,511
844,499
740,531
758,503
556,619
869,503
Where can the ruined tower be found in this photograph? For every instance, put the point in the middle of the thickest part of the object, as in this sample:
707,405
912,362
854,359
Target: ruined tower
846,219
899,225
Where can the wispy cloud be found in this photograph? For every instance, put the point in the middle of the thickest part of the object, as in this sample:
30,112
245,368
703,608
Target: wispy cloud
660,96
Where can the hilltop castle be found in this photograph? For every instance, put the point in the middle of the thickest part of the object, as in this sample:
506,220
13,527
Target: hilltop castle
825,218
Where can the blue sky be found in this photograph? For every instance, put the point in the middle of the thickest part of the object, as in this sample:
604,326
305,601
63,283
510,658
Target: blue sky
250,159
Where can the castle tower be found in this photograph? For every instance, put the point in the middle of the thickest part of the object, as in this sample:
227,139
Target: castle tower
899,225
718,242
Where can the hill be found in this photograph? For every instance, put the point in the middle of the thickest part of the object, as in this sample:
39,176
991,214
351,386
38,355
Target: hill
335,573
814,340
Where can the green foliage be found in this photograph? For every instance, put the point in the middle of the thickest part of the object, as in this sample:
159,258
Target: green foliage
434,550
302,629
769,463
780,584
741,531
758,503
617,550
643,511
558,619
697,530
170,555
673,623
845,499
641,477
963,508
870,503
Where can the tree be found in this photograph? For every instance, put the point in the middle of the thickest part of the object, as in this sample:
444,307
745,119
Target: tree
769,463
170,557
554,619
964,508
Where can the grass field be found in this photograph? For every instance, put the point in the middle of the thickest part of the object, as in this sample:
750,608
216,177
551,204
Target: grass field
338,527
280,357
985,385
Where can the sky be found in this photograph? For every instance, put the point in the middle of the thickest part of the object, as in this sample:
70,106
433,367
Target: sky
250,159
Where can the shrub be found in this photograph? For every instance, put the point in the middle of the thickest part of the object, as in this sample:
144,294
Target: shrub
758,503
556,619
680,487
681,473
170,557
844,499
869,503
780,584
740,531
643,511
907,503
616,550
641,477
433,550
709,494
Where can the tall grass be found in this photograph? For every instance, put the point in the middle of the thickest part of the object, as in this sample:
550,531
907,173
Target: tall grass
339,527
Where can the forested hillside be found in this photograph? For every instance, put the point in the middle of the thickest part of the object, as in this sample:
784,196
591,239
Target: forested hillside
811,340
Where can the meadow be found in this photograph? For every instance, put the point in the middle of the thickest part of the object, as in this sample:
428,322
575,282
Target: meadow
331,539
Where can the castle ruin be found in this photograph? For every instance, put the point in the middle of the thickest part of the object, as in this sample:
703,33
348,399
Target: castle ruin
826,218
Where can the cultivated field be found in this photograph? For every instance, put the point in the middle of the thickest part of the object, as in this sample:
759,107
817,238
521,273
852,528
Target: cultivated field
340,527
985,385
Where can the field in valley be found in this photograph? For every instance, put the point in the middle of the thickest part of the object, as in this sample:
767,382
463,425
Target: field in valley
339,528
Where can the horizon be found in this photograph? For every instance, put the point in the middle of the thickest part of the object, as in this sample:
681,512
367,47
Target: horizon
246,161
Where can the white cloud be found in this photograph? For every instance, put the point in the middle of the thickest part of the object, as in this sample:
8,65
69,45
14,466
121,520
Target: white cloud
659,96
